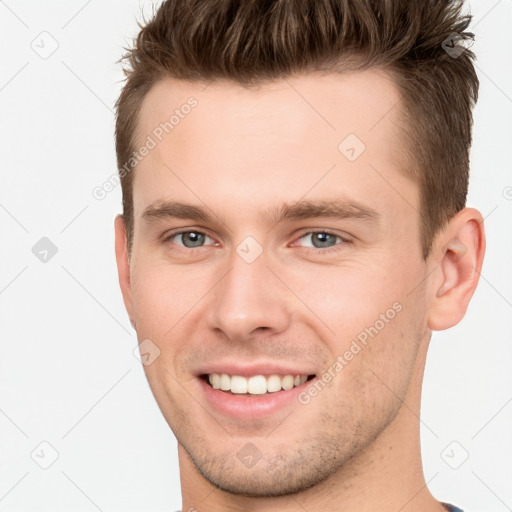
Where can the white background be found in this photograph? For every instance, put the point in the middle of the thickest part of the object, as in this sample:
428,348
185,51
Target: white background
67,372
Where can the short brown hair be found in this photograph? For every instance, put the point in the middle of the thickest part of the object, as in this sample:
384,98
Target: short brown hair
254,41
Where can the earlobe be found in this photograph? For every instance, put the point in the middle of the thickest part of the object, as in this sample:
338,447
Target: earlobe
460,251
123,265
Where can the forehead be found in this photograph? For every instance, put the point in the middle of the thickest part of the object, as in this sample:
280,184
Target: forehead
308,134
314,105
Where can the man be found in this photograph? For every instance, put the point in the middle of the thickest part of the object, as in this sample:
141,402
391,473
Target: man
294,228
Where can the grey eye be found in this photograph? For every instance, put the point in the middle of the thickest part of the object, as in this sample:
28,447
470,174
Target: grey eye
322,240
191,238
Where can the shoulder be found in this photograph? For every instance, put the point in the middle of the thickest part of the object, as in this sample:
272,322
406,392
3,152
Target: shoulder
452,508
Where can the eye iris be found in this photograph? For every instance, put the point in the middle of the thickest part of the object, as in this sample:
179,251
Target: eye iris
323,239
192,239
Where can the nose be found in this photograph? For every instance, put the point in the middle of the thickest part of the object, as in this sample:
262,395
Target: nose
249,298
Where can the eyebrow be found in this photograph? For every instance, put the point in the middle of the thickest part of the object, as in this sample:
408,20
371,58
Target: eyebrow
301,210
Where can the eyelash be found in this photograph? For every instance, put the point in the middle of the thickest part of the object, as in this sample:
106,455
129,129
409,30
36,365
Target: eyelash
336,247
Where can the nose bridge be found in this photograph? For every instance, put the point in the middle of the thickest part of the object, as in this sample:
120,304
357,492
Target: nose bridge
249,296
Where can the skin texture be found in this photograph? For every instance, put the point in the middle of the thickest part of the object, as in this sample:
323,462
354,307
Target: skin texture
355,446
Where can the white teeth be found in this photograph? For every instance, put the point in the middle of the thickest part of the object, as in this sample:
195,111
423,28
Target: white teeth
214,379
225,382
255,385
238,384
287,382
273,383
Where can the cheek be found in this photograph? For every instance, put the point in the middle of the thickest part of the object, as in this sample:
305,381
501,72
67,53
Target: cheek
348,298
162,296
377,366
165,301
366,315
389,343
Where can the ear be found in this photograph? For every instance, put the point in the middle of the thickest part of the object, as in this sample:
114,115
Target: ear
457,255
123,265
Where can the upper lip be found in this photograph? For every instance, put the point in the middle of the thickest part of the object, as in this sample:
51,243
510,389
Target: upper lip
250,369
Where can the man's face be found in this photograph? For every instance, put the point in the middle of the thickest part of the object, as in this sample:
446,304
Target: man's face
241,293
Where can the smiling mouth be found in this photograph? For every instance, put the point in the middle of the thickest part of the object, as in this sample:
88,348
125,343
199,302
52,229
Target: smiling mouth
254,385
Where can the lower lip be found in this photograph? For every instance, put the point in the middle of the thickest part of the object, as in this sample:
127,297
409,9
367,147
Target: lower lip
251,407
